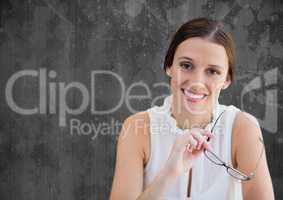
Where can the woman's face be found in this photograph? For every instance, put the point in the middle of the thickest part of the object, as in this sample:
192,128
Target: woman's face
198,73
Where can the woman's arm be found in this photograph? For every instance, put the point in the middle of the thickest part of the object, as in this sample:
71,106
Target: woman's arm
128,178
246,134
130,160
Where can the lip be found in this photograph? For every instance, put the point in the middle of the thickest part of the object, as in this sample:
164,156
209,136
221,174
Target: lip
193,96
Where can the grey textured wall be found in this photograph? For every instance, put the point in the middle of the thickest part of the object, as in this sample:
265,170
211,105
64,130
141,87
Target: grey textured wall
67,42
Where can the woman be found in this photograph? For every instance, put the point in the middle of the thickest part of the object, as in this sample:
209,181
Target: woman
171,151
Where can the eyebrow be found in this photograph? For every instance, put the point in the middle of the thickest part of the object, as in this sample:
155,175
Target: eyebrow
190,59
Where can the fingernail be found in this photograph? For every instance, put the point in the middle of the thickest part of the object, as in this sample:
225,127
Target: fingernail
199,146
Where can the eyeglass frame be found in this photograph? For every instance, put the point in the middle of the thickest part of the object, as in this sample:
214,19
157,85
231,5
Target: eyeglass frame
245,176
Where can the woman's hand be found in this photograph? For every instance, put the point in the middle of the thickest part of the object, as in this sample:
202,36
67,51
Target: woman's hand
186,149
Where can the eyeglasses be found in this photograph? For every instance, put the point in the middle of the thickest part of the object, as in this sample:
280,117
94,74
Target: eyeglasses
235,173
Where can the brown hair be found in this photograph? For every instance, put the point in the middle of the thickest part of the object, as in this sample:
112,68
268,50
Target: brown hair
208,29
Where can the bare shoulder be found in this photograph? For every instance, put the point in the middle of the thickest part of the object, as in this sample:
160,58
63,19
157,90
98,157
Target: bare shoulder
130,158
136,124
246,135
139,117
135,132
249,157
246,125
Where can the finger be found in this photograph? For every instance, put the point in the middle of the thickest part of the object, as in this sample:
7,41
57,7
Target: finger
186,138
208,135
183,140
188,147
191,142
206,145
200,139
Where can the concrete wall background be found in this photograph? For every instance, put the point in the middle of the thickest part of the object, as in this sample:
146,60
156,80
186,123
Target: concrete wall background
40,159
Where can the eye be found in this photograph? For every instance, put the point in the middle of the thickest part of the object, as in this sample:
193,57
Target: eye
213,72
186,65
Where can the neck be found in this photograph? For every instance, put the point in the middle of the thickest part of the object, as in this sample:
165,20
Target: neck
188,120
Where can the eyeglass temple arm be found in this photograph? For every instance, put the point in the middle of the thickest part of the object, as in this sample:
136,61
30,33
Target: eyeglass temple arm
252,174
260,156
260,139
215,124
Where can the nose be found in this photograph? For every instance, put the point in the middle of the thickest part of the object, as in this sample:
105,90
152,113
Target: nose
197,77
197,81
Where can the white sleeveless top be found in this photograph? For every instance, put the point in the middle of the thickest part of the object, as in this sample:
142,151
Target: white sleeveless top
209,181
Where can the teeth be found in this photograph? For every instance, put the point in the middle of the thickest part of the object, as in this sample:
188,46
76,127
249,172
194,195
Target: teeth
192,95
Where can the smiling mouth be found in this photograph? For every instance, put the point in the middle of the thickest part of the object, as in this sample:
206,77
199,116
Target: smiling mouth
193,97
